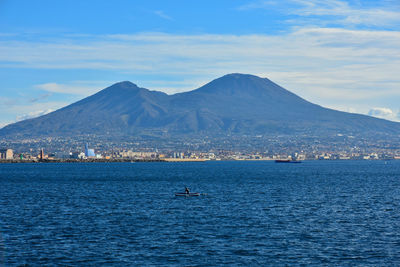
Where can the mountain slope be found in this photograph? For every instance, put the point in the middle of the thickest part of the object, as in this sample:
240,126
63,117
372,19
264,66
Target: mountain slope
232,104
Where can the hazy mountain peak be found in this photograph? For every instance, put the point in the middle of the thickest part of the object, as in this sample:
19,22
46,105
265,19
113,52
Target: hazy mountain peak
236,77
124,87
239,76
124,84
234,103
238,83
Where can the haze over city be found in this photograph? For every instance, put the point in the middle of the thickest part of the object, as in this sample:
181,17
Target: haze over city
338,54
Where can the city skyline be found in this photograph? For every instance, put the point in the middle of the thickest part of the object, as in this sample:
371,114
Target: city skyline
339,54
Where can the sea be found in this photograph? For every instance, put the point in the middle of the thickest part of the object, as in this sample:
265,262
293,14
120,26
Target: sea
249,213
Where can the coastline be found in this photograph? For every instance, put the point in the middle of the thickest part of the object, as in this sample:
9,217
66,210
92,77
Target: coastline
78,160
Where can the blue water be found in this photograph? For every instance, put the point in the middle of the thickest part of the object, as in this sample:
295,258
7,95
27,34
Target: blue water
344,213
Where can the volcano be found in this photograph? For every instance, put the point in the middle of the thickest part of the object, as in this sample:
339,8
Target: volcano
233,104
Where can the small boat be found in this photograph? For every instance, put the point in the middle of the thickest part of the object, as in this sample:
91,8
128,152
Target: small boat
187,194
287,161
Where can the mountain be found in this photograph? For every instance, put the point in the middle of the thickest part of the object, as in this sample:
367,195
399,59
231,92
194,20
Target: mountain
232,104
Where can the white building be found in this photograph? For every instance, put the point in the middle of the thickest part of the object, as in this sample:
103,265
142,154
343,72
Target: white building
6,154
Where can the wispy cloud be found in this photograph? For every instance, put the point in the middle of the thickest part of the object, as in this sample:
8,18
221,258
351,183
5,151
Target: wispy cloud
73,88
22,111
323,12
3,124
347,15
40,97
33,114
162,15
384,113
325,65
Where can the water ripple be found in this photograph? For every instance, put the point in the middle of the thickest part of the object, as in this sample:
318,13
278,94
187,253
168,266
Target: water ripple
254,213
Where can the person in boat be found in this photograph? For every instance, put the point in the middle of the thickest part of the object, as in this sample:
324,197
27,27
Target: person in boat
187,191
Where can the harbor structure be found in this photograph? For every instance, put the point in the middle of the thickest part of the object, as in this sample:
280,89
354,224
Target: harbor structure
6,153
89,153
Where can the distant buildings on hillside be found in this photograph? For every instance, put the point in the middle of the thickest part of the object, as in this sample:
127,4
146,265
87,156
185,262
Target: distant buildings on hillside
79,149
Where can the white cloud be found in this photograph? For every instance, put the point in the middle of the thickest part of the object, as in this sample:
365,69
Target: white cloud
301,51
380,112
29,115
3,124
33,114
74,88
322,12
22,110
383,113
355,15
328,66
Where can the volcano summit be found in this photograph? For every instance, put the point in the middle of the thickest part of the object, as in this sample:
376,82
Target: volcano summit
233,104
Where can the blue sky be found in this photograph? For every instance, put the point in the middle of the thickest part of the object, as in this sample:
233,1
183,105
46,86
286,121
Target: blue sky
339,54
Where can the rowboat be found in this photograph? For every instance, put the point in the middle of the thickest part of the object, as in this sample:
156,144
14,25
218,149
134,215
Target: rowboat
187,194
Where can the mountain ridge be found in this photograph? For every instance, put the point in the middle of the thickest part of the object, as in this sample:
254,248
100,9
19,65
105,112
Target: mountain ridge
232,104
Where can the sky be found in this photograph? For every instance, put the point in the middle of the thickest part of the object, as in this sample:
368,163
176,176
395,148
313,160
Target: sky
339,54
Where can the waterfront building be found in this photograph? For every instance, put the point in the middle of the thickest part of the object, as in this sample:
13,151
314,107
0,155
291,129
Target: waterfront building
89,153
6,153
77,155
136,155
178,155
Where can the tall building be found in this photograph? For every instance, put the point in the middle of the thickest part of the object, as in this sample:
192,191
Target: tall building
41,154
88,151
6,154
